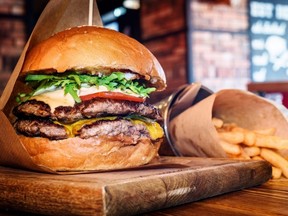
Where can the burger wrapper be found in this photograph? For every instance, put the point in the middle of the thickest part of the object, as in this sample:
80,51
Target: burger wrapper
194,134
57,16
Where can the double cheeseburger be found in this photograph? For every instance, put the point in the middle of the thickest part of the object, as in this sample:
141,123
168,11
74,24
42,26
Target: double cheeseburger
85,108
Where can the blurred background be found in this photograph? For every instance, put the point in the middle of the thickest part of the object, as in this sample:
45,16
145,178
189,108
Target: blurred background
223,44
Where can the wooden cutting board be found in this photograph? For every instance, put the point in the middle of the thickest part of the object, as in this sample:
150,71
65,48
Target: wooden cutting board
170,181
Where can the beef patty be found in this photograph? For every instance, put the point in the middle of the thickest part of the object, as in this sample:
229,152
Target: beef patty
118,129
36,119
87,109
41,127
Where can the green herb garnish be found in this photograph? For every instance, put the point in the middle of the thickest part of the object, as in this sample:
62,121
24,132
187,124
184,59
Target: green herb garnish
72,82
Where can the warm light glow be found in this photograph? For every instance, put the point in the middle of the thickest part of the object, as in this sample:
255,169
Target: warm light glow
132,4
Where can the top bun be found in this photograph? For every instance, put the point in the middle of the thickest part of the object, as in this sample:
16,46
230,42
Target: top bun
94,49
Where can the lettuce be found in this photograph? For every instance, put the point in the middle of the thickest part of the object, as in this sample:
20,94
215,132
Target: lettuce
72,82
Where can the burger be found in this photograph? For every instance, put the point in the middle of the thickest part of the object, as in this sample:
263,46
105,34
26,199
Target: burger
85,107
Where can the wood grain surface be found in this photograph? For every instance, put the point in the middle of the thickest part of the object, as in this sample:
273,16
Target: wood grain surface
268,199
170,181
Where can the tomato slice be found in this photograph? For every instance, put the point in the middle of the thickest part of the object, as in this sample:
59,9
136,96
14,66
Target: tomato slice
112,95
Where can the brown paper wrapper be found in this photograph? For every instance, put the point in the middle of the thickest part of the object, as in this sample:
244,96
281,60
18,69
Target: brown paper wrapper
194,133
57,16
179,101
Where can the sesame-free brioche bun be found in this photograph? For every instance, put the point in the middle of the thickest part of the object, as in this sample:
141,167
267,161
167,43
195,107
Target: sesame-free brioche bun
94,49
76,154
103,146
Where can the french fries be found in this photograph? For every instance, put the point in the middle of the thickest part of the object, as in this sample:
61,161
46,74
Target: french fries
276,172
251,151
269,141
261,144
230,148
276,160
233,137
257,158
267,131
218,123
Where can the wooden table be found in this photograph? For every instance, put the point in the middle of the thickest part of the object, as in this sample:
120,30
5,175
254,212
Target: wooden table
270,198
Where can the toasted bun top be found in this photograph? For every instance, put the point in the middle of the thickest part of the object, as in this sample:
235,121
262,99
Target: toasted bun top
94,49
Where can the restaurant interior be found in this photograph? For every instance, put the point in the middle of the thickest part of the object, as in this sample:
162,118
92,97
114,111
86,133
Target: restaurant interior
221,44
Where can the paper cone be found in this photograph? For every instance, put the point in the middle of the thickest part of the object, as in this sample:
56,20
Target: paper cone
194,134
57,16
170,107
249,111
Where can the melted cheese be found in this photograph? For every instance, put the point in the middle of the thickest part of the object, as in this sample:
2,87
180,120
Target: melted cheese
58,98
73,128
55,98
154,129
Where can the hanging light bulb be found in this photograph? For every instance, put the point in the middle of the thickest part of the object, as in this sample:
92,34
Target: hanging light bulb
132,4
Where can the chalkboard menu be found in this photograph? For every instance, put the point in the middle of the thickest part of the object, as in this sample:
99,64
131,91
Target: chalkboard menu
269,40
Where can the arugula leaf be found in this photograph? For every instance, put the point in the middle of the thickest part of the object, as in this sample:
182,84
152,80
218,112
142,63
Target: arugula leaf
72,90
71,83
76,78
39,77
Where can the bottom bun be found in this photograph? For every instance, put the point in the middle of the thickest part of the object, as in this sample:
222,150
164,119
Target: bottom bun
76,154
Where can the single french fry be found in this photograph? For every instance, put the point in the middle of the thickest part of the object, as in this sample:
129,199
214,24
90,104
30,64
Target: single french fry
234,156
276,172
233,137
228,126
275,160
241,156
268,141
252,151
257,158
249,136
230,148
218,123
244,155
268,131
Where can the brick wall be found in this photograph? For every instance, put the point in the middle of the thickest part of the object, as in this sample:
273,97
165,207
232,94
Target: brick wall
159,18
220,44
12,37
219,41
164,34
220,17
221,60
